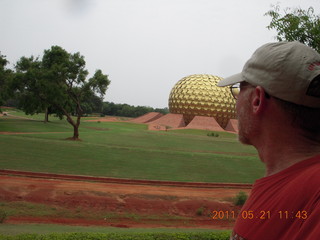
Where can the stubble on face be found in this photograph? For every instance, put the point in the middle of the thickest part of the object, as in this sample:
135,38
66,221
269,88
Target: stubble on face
244,118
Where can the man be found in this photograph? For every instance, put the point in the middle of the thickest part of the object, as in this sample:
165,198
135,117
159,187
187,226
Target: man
278,108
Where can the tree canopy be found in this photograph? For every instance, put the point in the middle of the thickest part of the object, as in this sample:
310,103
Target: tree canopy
5,77
296,25
58,81
126,110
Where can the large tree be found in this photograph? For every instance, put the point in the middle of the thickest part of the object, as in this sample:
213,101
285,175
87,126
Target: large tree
58,81
296,25
5,77
31,83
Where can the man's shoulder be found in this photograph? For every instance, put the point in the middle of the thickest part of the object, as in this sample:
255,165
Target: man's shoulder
310,169
299,180
306,169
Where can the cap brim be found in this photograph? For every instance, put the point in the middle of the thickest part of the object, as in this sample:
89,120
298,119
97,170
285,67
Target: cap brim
236,78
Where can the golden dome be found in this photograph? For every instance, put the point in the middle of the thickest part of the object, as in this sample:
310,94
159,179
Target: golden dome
199,95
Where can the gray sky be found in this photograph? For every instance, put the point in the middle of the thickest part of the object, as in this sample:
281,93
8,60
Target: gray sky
145,46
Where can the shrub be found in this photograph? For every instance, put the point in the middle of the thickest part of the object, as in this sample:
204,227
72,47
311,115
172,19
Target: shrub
213,134
240,199
200,211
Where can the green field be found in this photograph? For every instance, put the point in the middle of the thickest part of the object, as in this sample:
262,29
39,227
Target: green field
57,232
125,150
13,229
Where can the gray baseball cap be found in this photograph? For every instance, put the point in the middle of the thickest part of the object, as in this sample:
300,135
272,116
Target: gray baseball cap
287,70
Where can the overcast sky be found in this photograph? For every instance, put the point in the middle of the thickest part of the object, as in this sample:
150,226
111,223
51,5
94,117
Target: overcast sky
145,46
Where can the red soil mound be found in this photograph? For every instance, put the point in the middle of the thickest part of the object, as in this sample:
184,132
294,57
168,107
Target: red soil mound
169,120
232,126
148,117
206,123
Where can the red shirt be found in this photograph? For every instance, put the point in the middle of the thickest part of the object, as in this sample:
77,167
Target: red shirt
283,206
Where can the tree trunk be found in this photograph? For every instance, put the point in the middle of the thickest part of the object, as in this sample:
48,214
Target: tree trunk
46,117
74,125
77,124
75,132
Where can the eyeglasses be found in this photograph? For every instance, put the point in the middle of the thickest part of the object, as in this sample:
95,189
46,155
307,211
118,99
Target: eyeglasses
235,90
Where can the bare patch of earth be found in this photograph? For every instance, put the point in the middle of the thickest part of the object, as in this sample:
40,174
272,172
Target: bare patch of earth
120,204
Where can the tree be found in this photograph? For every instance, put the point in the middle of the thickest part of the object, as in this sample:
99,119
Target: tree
92,104
60,82
296,25
31,84
5,78
125,110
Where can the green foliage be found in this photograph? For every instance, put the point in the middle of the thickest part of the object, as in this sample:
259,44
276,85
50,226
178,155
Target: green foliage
125,110
92,104
240,199
296,25
122,236
213,134
29,83
45,229
58,82
23,208
5,78
200,211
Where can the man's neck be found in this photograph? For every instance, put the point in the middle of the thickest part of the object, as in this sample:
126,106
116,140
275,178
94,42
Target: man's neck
279,153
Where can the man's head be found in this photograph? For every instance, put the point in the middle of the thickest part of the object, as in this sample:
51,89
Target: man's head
287,70
289,73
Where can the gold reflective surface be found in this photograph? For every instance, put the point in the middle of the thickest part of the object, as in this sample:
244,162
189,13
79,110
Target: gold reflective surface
199,95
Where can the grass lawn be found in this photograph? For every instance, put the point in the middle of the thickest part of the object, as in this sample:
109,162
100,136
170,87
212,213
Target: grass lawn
14,229
125,150
39,210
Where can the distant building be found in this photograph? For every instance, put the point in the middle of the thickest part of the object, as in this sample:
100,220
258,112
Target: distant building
199,95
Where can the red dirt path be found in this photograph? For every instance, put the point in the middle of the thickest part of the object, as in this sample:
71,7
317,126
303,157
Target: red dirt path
121,198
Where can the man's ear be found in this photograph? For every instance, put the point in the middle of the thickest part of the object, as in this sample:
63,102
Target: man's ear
258,100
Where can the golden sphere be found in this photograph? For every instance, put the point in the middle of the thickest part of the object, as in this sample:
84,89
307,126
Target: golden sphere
199,95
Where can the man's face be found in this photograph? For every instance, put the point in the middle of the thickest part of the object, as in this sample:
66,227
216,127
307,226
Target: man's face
243,106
